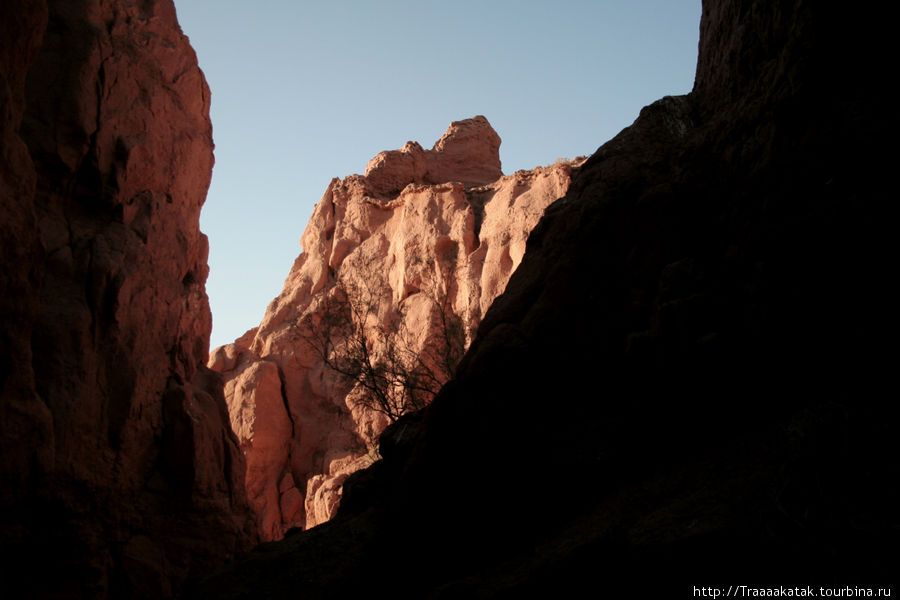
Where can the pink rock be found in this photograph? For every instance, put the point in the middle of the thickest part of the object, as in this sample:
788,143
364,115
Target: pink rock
444,219
469,152
264,429
323,498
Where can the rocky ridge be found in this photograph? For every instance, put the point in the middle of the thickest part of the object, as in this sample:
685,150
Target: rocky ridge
419,224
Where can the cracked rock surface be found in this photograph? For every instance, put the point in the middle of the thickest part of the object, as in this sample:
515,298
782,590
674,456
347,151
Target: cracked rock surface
419,221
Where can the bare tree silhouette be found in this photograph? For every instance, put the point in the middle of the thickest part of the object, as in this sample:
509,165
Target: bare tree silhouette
396,369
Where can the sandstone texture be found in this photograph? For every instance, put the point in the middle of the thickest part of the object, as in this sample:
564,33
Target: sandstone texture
121,476
469,152
418,225
686,379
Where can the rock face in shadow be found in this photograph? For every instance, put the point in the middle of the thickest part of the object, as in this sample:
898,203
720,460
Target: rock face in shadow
121,476
450,237
683,383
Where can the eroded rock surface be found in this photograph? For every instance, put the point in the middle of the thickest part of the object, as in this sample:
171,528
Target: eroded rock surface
685,379
121,476
453,227
469,152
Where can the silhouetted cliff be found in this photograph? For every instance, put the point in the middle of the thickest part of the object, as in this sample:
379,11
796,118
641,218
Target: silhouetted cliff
685,379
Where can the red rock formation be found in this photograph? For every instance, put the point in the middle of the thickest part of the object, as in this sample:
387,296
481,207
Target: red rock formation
468,152
686,377
120,473
416,220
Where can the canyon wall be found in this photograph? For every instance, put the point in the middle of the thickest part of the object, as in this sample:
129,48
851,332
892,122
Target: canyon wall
121,476
686,382
420,232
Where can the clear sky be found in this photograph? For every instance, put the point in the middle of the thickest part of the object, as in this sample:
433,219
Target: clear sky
304,90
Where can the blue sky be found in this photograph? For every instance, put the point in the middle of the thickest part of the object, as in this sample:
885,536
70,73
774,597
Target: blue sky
303,91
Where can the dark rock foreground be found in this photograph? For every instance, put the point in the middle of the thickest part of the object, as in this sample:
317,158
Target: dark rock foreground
685,382
121,477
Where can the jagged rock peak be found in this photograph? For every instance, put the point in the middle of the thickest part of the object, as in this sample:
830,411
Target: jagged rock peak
304,429
469,152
